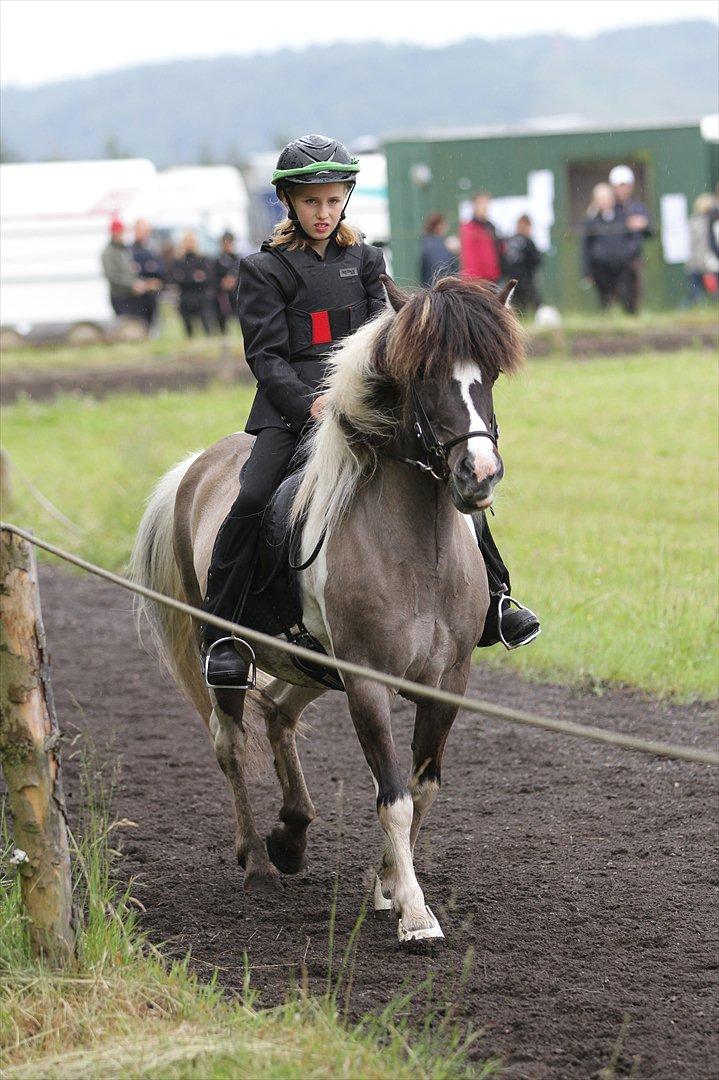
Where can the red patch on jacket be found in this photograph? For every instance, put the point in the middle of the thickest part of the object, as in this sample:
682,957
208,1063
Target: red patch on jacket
321,330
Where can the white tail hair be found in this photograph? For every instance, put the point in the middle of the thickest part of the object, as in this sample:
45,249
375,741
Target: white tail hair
175,639
153,565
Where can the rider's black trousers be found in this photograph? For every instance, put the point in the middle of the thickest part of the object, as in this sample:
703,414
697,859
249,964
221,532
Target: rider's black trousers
235,552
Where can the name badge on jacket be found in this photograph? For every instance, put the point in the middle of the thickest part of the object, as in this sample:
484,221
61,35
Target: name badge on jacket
349,271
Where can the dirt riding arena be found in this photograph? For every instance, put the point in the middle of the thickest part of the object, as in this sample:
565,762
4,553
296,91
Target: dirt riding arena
583,879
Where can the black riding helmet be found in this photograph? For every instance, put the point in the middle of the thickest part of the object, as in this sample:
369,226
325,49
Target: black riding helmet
314,159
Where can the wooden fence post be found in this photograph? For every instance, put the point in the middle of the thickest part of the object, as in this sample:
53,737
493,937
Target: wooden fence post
28,738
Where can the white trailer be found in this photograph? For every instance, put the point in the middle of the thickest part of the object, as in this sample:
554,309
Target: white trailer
54,224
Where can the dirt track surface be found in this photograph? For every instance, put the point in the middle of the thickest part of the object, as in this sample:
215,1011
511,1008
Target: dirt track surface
583,878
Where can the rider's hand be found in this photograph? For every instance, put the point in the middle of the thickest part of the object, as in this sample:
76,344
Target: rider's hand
318,407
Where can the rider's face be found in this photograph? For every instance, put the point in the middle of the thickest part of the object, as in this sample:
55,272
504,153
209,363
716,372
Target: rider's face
318,207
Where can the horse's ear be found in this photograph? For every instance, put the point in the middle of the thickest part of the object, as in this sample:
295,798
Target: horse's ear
397,297
505,293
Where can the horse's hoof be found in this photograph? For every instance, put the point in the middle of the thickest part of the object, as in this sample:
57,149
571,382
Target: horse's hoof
422,938
262,886
382,903
288,860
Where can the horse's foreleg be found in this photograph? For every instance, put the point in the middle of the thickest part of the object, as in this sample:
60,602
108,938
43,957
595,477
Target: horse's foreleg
432,726
370,706
283,705
230,742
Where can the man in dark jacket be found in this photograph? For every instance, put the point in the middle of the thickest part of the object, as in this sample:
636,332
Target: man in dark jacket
437,259
520,261
149,270
481,251
227,265
633,216
192,272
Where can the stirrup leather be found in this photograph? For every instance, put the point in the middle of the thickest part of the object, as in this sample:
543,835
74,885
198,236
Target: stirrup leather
506,599
251,679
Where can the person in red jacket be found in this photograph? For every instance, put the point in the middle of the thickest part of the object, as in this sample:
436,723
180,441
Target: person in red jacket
481,251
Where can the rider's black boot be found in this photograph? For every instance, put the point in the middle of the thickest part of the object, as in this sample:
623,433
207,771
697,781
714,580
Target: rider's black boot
514,625
227,662
507,620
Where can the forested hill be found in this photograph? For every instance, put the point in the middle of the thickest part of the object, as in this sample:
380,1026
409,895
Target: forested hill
223,108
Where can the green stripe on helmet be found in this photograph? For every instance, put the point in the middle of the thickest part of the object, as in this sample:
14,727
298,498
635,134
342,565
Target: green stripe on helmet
316,167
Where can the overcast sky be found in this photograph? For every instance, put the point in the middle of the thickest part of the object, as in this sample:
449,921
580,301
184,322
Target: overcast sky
46,40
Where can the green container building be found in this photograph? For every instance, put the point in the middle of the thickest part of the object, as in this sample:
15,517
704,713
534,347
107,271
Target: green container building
550,175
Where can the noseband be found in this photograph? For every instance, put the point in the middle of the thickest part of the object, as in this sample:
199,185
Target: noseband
437,452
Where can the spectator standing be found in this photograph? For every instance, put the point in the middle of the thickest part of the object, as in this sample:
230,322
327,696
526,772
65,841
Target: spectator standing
702,264
193,275
119,270
521,260
437,259
227,267
149,270
481,251
606,255
635,218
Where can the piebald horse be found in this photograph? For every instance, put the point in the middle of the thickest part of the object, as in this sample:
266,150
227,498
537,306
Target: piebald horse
405,452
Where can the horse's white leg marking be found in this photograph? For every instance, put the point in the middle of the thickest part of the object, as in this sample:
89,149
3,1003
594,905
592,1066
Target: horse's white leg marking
407,896
485,459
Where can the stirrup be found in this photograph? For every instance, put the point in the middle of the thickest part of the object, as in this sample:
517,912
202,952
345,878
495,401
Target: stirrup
251,679
505,598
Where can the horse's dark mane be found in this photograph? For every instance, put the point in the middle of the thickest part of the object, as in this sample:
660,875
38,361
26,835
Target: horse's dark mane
454,321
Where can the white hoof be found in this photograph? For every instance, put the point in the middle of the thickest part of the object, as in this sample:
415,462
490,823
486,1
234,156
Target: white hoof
428,933
382,905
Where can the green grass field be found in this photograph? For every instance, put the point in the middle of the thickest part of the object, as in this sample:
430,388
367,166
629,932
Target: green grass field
606,515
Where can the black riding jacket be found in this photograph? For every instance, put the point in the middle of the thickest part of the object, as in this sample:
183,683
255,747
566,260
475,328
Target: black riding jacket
293,306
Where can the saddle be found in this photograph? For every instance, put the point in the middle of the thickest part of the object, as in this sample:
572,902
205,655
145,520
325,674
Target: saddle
274,602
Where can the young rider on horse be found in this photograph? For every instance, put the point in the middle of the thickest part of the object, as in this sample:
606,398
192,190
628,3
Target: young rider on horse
311,284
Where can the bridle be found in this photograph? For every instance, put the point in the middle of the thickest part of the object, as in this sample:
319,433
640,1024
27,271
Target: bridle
436,452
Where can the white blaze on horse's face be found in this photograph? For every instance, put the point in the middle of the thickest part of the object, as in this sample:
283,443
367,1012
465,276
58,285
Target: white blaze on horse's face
486,461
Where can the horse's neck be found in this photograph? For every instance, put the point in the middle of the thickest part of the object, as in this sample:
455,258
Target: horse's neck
416,501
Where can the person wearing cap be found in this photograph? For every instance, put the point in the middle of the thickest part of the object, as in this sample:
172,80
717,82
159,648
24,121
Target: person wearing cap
633,217
120,271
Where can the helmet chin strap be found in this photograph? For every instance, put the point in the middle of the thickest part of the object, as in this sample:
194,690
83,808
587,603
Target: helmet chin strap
292,215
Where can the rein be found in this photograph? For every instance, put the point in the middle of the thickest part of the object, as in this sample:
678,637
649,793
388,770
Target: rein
436,452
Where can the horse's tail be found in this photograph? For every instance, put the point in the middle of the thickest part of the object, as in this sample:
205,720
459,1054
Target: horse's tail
153,564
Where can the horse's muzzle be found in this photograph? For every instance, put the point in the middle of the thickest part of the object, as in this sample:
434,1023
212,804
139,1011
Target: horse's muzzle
468,491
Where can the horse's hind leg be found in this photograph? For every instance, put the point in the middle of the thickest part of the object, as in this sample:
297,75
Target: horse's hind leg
283,705
230,740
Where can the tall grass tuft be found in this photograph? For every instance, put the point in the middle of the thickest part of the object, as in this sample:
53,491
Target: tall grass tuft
125,1010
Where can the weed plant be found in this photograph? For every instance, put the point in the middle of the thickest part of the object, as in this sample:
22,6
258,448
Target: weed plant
122,1010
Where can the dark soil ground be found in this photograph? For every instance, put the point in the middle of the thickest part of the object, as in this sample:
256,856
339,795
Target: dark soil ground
181,372
576,882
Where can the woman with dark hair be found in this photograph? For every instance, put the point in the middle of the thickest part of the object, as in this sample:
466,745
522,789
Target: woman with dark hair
437,259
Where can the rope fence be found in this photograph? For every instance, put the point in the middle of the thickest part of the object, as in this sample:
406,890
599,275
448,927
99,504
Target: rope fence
406,687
